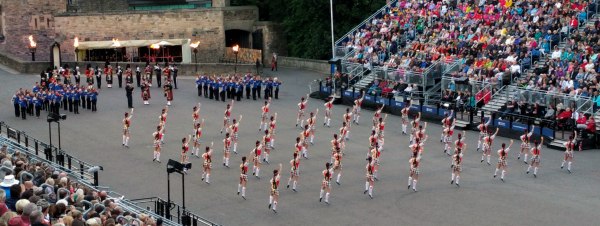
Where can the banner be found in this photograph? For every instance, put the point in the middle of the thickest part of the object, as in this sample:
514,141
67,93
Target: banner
429,110
398,104
519,126
443,112
547,132
369,98
415,107
536,130
347,93
325,89
385,101
502,124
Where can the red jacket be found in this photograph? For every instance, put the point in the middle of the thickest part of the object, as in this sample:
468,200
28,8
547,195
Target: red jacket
591,126
565,115
581,119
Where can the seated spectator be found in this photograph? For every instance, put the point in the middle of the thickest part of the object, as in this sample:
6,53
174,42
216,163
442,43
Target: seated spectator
581,121
590,126
550,113
565,115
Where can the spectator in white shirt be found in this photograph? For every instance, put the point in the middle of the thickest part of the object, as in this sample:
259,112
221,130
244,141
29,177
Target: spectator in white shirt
515,68
556,54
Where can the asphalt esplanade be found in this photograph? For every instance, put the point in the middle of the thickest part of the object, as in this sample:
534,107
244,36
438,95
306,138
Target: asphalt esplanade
555,197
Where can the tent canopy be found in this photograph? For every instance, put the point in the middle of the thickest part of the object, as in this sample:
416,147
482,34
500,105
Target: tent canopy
131,43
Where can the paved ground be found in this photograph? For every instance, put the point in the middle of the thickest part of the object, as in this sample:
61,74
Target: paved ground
554,198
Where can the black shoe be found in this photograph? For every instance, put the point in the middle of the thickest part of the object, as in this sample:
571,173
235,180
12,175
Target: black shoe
502,179
488,164
158,161
244,197
269,206
223,164
562,167
494,176
376,179
323,123
525,162
569,170
238,193
123,145
408,187
482,160
415,190
294,190
519,157
477,150
534,175
257,177
340,184
457,185
275,211
328,202
288,186
369,196
452,182
365,192
527,172
296,125
154,159
253,173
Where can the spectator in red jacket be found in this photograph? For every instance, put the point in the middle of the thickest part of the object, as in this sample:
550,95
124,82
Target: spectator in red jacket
564,116
591,125
581,121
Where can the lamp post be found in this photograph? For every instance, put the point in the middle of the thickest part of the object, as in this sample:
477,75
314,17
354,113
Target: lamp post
195,47
76,45
236,50
174,166
32,47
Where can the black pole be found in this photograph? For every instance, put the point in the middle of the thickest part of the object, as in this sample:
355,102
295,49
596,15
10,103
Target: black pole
96,178
50,133
168,210
183,190
33,56
81,168
235,63
59,148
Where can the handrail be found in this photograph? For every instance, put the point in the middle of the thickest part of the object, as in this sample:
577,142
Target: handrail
496,94
337,43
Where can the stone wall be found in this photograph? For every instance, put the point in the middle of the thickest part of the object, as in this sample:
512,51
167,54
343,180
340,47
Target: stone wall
274,40
244,55
29,17
307,64
205,25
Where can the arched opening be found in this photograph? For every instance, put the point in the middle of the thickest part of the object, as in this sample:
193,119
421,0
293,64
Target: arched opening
237,37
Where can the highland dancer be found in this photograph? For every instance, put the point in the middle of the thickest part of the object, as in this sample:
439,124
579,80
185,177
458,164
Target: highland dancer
448,131
265,115
487,145
337,165
301,107
328,107
414,171
482,131
197,134
295,172
272,130
376,116
326,184
305,135
195,114
459,144
157,143
267,145
404,113
226,149
275,189
255,153
347,122
457,158
380,131
184,149
446,123
535,156
357,105
370,181
207,164
335,145
525,143
311,123
234,129
243,177
415,126
502,160
127,128
163,119
570,145
227,118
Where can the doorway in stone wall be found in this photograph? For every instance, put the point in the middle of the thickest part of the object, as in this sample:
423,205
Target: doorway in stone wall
237,37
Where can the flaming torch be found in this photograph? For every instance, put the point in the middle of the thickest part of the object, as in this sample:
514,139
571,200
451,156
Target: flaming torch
195,47
236,50
32,47
117,45
76,45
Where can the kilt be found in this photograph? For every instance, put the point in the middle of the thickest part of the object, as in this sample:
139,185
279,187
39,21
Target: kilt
265,115
244,177
375,121
295,172
448,139
458,168
256,159
414,171
157,144
376,161
272,131
275,191
301,112
381,133
369,177
481,133
502,162
404,119
226,150
127,130
569,154
357,110
535,158
327,112
525,146
326,183
235,135
184,155
227,120
306,140
197,140
337,166
206,164
313,129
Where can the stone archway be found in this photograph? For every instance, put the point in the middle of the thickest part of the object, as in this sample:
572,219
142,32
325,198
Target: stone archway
237,37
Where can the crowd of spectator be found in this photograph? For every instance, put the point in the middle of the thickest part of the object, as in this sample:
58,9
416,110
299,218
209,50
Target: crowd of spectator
53,198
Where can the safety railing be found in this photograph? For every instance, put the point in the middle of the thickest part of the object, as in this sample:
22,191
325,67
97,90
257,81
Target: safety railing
173,212
545,98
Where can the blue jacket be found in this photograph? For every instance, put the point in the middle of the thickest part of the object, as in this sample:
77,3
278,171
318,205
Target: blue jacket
94,95
257,84
596,100
199,82
276,84
76,96
23,103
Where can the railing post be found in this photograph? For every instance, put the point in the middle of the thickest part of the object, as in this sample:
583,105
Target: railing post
37,148
69,161
81,168
19,137
26,140
96,178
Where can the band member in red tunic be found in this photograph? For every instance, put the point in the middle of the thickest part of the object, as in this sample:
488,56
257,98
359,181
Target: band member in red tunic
157,144
570,145
328,107
404,113
311,123
535,158
482,131
326,184
376,117
168,91
502,159
145,92
525,143
357,107
414,171
295,172
227,117
234,129
370,181
264,115
255,154
126,128
184,149
275,189
207,164
301,107
243,176
148,77
108,71
272,130
197,135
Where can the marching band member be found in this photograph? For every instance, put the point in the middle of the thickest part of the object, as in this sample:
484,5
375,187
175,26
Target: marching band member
301,107
108,71
487,144
275,188
311,123
414,171
404,112
168,88
234,129
207,164
502,160
570,145
326,184
127,128
255,153
357,105
265,115
482,131
376,116
328,107
295,172
243,177
145,92
227,117
535,156
197,135
184,150
98,77
525,143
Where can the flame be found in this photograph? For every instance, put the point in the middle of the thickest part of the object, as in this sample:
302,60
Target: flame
195,45
236,48
76,42
32,44
155,46
116,42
